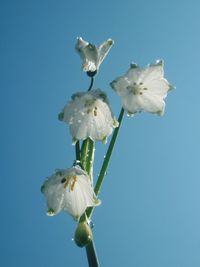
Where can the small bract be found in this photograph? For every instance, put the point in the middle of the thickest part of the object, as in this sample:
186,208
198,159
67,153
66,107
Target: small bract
69,190
89,115
143,89
92,56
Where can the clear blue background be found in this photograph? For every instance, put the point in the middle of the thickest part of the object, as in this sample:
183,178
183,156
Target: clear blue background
150,212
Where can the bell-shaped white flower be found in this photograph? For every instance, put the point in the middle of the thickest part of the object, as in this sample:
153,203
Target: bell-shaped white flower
92,56
143,89
89,115
69,190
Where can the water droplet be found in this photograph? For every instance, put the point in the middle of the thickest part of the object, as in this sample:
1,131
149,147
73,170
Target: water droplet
91,225
130,115
50,212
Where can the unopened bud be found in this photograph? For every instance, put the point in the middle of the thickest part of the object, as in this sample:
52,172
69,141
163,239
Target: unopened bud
83,234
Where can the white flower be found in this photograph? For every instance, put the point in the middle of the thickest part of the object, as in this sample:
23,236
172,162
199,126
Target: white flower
91,55
69,190
143,89
89,115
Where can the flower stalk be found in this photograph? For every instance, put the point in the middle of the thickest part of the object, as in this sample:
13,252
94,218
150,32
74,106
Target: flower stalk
87,157
106,162
92,255
78,151
91,84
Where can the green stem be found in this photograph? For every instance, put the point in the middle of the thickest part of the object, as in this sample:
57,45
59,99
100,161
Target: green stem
84,149
92,255
91,84
90,159
87,155
106,161
78,151
86,158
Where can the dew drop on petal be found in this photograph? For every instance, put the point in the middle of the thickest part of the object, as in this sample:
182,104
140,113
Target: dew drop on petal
91,225
50,212
130,115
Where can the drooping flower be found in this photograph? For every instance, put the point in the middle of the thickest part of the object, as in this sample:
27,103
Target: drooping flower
143,89
92,56
89,115
69,190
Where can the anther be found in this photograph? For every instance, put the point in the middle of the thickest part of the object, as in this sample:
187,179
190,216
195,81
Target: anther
67,182
73,184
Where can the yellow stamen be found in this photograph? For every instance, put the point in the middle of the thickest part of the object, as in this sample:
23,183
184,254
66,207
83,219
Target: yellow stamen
73,184
67,182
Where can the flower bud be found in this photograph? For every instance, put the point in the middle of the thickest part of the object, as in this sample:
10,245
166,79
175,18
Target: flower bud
83,234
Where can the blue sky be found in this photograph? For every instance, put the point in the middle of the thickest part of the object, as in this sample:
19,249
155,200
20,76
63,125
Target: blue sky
149,215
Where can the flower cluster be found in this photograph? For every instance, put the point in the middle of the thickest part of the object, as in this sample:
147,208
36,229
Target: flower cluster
89,117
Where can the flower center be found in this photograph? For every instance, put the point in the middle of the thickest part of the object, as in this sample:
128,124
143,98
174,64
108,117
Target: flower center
136,88
89,102
69,180
92,110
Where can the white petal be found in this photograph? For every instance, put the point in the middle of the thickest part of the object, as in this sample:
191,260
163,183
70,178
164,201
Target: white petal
153,103
120,84
132,104
103,121
158,87
54,193
80,44
153,72
134,74
104,49
88,53
80,198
